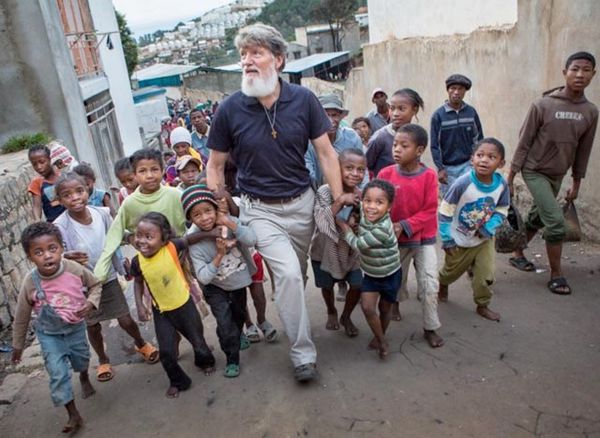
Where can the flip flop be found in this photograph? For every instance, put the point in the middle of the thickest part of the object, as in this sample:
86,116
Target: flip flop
522,264
559,282
244,342
104,372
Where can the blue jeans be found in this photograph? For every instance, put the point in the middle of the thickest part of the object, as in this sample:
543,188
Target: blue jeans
453,173
59,351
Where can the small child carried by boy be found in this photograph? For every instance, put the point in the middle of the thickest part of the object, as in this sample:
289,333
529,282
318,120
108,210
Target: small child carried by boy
54,289
473,208
224,267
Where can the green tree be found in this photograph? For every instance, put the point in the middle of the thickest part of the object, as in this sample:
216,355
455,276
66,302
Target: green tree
285,15
336,13
128,42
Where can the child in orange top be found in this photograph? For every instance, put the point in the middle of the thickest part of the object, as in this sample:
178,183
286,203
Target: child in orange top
41,187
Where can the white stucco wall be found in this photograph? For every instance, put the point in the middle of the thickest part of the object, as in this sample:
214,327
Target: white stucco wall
113,62
417,18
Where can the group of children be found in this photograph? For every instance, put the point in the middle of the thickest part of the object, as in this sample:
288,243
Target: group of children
169,227
366,237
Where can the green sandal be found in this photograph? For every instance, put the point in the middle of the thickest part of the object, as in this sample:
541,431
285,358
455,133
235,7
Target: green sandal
244,342
232,370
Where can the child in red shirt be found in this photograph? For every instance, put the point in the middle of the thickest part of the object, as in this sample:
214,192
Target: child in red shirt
414,214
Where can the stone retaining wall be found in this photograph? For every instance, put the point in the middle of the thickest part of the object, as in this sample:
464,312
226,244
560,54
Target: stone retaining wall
15,214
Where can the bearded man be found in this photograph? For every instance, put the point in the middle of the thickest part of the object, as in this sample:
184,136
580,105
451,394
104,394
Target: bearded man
266,128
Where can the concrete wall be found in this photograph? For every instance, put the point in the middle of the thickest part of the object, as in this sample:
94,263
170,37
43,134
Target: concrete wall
38,86
510,67
39,90
408,18
217,84
113,62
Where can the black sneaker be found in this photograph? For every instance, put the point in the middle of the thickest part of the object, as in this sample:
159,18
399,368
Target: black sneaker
306,372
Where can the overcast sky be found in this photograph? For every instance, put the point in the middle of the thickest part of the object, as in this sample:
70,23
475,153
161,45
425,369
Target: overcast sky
148,16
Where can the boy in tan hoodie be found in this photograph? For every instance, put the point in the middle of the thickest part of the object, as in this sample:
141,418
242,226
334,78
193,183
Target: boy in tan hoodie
557,134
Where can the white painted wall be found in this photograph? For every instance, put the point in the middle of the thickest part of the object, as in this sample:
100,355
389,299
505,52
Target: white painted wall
417,18
113,62
150,113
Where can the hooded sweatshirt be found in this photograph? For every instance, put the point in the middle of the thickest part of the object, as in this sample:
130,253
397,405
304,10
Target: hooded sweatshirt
557,134
166,200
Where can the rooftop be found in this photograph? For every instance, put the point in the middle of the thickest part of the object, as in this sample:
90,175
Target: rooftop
162,71
299,65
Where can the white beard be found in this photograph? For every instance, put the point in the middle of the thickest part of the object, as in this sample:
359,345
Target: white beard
260,86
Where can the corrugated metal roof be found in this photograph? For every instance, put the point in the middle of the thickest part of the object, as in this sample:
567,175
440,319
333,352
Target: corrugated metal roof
230,67
299,65
161,71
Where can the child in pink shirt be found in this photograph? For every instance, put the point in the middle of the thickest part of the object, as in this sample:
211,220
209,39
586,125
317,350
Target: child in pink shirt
55,290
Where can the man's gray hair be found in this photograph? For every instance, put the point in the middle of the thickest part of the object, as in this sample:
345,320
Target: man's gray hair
262,35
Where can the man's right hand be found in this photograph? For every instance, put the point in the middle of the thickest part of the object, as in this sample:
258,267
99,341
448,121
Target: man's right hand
443,176
510,180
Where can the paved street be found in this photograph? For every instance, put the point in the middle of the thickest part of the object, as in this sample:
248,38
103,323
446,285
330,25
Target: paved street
536,373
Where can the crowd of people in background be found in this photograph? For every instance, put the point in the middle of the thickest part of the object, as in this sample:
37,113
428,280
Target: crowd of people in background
273,177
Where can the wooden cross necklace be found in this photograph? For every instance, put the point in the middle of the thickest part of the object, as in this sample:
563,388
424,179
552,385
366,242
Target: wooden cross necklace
272,122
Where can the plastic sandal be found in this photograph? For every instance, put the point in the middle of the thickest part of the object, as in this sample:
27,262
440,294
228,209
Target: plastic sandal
147,351
244,342
104,372
232,370
252,334
268,331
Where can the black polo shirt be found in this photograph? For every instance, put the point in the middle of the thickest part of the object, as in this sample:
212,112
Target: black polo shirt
269,167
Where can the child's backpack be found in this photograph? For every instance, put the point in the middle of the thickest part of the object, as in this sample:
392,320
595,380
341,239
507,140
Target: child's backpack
511,234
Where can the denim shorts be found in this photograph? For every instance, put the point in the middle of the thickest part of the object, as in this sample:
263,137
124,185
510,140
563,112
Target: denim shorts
61,353
386,286
324,280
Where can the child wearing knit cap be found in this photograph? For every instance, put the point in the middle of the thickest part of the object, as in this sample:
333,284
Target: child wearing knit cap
60,157
225,268
181,143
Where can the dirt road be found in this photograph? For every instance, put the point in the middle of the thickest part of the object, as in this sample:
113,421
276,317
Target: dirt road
536,373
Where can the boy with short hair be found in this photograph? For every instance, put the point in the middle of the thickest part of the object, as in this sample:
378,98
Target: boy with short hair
558,134
414,214
472,209
147,166
54,289
188,171
380,115
455,128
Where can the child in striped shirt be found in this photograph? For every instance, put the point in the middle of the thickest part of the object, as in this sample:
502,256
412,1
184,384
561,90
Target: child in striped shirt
379,259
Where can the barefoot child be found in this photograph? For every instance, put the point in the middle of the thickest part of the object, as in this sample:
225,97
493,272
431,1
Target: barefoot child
54,290
157,265
414,215
41,187
224,268
379,259
83,229
472,209
331,257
